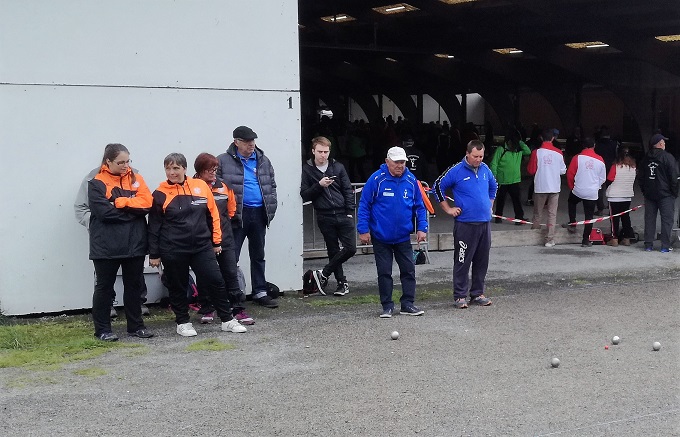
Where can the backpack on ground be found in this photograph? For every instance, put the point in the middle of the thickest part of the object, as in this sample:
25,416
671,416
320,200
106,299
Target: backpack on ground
309,284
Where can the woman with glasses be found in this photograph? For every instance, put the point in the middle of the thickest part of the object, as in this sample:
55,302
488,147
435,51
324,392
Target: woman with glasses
184,232
206,170
119,201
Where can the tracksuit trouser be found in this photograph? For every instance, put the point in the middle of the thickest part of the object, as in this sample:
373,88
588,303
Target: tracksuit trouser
472,244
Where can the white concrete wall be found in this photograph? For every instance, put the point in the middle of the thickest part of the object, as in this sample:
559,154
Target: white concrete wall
159,76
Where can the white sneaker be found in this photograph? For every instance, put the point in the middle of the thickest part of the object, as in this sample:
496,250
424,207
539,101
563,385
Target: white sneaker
550,244
186,330
233,326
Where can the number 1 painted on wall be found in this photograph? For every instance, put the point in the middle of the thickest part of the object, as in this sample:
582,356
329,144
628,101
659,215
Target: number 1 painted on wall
290,103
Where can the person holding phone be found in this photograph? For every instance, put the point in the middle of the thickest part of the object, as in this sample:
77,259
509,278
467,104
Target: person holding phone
326,184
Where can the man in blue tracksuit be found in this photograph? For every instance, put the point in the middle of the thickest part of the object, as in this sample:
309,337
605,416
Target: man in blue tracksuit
389,200
474,190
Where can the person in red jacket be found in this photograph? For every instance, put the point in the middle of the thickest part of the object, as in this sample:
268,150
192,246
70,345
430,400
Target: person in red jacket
118,200
585,176
184,232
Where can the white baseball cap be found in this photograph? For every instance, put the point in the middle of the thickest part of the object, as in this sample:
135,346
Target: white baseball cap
396,154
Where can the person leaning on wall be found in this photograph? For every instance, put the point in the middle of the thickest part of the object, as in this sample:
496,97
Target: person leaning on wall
119,201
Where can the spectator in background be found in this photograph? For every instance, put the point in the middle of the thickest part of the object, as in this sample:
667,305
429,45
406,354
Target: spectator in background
606,148
659,185
546,164
415,159
620,181
506,166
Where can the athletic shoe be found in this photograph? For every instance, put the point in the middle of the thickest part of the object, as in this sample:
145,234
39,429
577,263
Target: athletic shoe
145,310
666,249
480,300
386,313
343,289
141,333
194,307
113,314
207,317
549,244
266,302
233,326
460,303
648,248
321,280
586,243
243,318
411,310
107,336
186,330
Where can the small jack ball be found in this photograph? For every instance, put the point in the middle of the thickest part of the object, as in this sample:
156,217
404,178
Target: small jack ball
616,339
606,347
656,346
555,362
395,335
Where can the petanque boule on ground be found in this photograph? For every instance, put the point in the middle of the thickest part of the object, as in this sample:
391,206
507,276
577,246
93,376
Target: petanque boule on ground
394,335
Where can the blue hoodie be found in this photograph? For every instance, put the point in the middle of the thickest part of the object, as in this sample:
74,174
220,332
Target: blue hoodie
472,190
388,204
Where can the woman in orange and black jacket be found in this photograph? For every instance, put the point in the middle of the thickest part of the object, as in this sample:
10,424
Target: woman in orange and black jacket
184,232
206,170
119,201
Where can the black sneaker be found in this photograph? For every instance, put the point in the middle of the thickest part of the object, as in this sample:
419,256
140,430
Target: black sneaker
107,336
141,333
411,310
386,313
321,280
266,302
343,289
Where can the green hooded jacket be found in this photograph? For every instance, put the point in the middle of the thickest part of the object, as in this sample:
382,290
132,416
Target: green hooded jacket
506,165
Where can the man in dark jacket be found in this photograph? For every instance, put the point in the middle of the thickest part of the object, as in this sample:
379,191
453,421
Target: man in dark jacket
325,183
247,171
659,185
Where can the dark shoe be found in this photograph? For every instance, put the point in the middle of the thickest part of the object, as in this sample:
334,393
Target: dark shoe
411,310
321,280
386,313
480,300
107,336
648,248
460,303
586,243
113,313
666,249
343,289
141,333
498,220
266,302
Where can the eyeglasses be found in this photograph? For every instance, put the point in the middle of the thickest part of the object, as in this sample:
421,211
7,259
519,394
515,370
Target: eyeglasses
128,162
211,170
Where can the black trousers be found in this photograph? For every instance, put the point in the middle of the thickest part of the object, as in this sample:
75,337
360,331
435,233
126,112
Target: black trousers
229,270
616,208
176,268
666,208
337,228
105,273
514,191
588,211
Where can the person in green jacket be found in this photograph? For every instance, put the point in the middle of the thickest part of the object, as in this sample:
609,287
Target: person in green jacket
506,167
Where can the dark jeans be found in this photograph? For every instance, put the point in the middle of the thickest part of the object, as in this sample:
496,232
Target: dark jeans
514,191
665,207
253,227
143,292
588,211
105,275
227,262
334,228
471,244
176,268
627,231
403,254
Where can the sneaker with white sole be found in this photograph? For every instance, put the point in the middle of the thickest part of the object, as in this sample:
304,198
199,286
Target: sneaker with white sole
549,244
186,330
343,289
233,326
207,317
411,310
386,313
321,280
243,318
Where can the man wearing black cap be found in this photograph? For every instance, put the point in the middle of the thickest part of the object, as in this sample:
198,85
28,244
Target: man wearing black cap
247,171
659,185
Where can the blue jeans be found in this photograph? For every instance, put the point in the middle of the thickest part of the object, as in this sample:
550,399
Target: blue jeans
254,227
403,254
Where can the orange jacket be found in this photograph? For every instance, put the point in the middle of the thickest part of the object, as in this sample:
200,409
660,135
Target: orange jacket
226,204
183,219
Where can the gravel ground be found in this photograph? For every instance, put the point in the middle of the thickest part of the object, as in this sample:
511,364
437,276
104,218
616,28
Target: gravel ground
333,370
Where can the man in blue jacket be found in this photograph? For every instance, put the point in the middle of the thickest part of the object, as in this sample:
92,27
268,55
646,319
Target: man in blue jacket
474,190
389,200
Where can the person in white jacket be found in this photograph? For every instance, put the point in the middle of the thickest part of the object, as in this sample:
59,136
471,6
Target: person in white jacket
546,164
620,181
585,176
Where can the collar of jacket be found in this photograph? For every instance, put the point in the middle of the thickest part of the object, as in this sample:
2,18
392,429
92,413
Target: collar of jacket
310,162
231,151
467,165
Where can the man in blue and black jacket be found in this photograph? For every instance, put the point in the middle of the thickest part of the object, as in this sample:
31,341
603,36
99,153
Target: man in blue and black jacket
474,190
389,200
